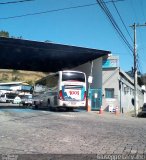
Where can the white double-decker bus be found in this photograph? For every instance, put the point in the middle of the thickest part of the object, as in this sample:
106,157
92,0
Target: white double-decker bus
66,89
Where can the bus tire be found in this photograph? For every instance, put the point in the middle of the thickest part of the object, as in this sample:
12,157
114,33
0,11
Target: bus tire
48,105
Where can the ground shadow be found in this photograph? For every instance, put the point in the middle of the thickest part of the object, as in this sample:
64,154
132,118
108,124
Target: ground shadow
11,106
58,109
61,109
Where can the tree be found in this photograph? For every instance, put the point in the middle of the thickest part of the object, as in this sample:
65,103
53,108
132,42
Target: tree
7,35
20,37
4,34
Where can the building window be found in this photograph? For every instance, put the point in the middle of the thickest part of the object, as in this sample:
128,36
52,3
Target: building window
109,92
126,90
122,86
130,91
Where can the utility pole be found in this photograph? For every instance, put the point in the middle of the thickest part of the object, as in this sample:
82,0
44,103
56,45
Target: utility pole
135,68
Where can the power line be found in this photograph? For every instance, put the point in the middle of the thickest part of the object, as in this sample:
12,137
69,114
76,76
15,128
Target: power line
54,10
122,20
12,2
142,58
137,57
21,1
139,64
114,1
115,25
113,22
48,11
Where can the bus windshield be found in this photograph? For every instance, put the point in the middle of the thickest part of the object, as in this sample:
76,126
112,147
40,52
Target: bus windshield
75,76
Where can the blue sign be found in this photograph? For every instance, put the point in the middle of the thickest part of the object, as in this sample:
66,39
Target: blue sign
108,63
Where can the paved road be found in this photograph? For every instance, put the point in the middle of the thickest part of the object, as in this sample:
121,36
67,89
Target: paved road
41,131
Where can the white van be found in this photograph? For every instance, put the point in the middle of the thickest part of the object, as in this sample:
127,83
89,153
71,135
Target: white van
3,98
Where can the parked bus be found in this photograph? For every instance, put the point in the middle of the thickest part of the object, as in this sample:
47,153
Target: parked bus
65,89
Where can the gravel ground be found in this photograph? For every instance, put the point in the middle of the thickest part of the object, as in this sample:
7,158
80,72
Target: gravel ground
27,131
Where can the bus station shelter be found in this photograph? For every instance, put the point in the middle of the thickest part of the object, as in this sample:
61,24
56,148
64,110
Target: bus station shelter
29,55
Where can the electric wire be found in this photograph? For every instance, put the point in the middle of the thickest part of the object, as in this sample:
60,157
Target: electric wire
121,20
101,4
54,10
108,13
14,2
141,58
20,1
48,11
139,64
113,22
136,18
138,61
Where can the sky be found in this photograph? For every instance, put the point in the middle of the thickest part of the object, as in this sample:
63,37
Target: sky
86,26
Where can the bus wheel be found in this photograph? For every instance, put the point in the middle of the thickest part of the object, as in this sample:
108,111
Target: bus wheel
49,106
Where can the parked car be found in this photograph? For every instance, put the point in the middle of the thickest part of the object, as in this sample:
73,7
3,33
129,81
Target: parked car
143,111
17,100
26,99
10,97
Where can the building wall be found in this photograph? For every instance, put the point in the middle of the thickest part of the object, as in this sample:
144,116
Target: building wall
144,89
112,78
141,97
126,94
123,87
110,81
96,72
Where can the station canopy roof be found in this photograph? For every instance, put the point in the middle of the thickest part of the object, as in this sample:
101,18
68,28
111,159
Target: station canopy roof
43,56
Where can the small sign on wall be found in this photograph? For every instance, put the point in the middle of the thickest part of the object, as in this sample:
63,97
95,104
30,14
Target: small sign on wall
110,103
109,63
90,79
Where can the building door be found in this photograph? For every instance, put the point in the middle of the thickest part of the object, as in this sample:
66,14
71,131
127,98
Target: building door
96,99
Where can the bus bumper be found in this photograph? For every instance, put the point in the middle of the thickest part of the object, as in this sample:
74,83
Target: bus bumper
72,103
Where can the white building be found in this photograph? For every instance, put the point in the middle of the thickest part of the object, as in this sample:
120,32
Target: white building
118,88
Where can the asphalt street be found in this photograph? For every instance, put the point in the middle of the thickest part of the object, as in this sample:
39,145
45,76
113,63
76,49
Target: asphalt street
28,131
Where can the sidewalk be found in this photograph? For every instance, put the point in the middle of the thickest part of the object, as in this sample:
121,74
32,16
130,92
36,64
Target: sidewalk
112,115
